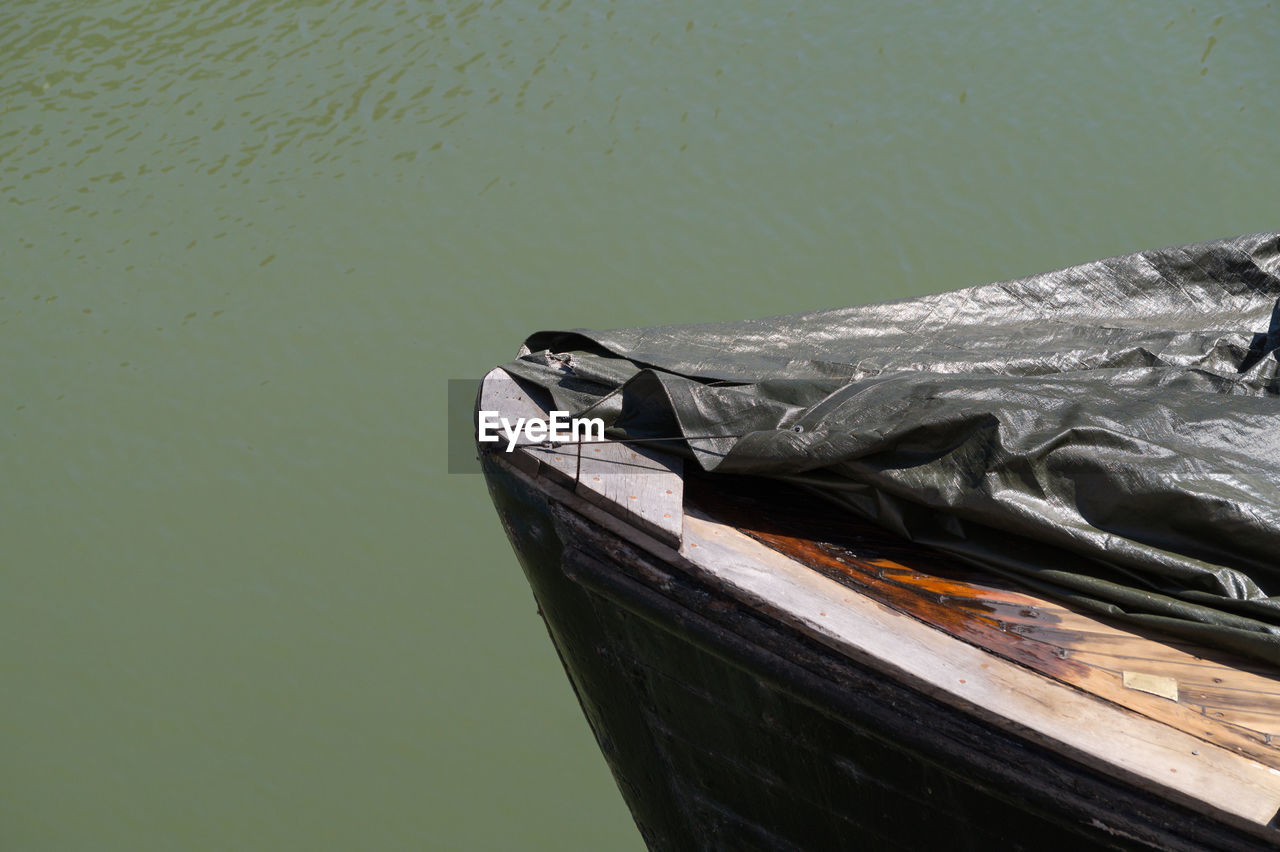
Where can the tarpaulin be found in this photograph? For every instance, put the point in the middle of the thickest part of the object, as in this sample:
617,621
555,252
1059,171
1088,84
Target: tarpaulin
1106,433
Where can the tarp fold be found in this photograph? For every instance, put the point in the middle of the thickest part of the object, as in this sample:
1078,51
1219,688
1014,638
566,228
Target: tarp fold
1106,433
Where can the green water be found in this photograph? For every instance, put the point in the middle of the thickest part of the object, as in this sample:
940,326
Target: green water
243,246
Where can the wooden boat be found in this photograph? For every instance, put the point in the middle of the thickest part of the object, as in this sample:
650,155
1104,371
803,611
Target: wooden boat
763,674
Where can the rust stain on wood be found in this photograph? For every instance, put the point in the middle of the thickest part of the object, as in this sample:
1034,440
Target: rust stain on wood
989,612
938,596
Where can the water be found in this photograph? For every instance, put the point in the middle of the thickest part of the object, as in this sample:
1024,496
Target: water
243,245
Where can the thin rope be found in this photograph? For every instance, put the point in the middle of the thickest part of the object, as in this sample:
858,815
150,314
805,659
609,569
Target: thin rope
551,445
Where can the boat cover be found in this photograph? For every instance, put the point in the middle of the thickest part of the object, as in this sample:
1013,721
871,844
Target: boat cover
1108,434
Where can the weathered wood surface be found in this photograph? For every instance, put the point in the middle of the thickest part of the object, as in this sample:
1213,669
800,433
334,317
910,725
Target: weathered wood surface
636,484
642,487
1221,699
1094,732
499,392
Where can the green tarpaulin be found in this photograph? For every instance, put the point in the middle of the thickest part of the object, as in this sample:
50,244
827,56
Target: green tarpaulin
1107,433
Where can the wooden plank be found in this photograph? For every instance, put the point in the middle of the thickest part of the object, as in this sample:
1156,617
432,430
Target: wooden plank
499,392
1149,753
1184,714
1085,635
1188,671
1231,699
1265,724
1038,643
1034,633
639,486
642,487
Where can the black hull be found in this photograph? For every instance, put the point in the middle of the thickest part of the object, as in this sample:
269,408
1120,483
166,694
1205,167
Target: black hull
728,730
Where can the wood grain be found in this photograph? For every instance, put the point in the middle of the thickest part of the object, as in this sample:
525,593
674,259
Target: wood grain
1094,732
642,487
